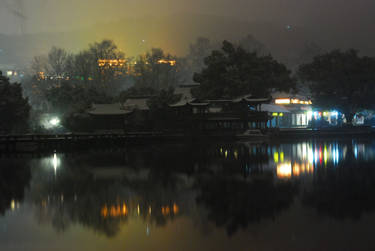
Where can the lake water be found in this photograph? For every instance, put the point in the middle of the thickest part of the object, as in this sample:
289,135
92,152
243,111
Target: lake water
302,195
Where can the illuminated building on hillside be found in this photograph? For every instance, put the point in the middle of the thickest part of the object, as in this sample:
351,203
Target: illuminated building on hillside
113,63
167,61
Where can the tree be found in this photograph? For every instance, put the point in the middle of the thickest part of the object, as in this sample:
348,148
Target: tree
198,51
156,70
39,64
71,98
251,44
58,62
83,66
160,113
108,72
14,108
309,51
233,71
341,80
164,98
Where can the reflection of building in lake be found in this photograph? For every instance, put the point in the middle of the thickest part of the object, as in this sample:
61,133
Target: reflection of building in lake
303,158
289,170
122,210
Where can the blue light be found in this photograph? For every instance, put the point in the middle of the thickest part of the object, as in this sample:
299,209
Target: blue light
335,113
356,152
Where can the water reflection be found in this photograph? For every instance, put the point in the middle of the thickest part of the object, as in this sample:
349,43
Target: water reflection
14,177
235,204
229,185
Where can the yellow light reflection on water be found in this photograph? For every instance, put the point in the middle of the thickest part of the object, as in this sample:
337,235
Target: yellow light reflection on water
176,209
325,155
282,156
235,154
114,211
13,205
276,157
284,170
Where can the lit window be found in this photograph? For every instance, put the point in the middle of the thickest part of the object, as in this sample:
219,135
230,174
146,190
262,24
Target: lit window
282,101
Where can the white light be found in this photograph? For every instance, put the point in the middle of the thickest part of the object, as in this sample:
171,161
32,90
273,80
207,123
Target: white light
282,101
54,121
55,161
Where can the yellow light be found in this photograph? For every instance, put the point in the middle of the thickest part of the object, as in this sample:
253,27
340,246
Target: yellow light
276,157
175,209
296,170
282,156
295,101
281,114
124,209
104,211
284,170
281,101
111,62
12,205
235,154
165,210
325,155
165,61
275,114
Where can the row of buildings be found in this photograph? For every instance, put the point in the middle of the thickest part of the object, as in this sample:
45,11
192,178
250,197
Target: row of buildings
282,110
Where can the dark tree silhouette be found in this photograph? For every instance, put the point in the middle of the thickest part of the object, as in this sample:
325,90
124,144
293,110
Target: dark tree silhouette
235,204
341,80
343,192
14,108
14,178
233,71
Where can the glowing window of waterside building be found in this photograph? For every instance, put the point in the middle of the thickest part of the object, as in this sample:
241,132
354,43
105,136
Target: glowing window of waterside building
288,101
282,101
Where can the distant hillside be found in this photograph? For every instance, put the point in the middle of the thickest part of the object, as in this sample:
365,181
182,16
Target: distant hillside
175,33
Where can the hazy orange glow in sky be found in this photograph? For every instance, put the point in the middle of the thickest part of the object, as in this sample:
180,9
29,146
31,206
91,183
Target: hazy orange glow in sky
52,15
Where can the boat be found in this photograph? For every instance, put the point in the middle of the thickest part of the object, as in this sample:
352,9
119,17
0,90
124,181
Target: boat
252,134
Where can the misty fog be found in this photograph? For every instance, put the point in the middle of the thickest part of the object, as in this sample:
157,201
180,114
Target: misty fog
29,28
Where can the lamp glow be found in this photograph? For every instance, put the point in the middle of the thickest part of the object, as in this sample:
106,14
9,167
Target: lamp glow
54,121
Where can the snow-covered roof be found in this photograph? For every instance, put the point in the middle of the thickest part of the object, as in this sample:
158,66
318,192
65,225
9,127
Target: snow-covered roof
250,98
185,92
136,103
182,102
108,109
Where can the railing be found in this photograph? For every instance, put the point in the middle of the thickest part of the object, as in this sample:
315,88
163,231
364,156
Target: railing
74,136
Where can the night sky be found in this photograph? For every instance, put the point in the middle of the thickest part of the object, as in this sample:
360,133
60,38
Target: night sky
57,15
